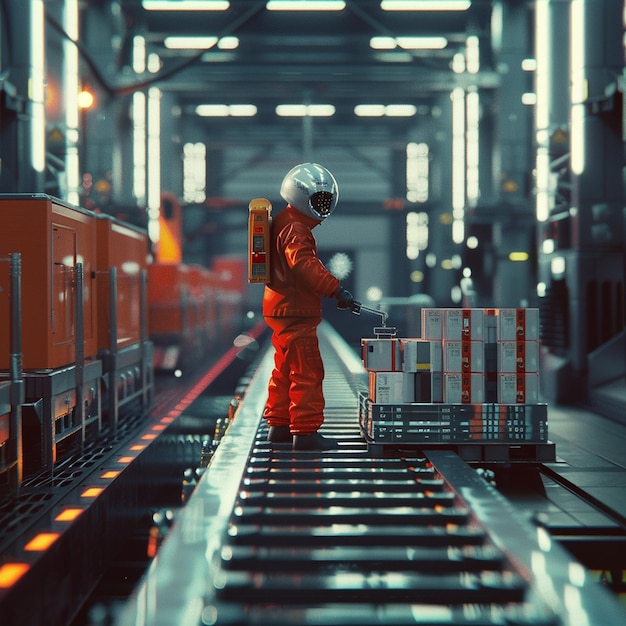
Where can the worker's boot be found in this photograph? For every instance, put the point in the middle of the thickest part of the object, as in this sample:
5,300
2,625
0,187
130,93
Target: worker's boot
304,443
279,434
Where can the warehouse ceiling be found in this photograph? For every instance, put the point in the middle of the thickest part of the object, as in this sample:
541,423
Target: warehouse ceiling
310,57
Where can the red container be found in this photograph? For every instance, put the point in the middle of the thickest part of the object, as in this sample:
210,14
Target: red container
167,295
126,248
52,238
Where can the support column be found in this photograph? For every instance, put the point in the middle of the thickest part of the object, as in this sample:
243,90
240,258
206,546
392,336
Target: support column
583,265
22,123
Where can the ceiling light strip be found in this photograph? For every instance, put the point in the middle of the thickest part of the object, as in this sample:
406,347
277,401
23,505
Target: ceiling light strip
425,5
305,5
185,5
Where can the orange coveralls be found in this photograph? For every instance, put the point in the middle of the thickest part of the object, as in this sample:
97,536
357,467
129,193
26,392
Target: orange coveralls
292,308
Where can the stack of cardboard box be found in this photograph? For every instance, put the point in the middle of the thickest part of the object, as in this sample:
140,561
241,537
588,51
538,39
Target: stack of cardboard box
474,374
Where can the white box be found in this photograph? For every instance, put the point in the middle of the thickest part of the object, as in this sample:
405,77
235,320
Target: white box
463,388
518,388
463,356
518,324
391,387
381,355
463,324
421,355
431,323
518,356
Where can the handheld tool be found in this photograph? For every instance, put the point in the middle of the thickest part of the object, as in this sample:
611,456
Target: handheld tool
379,331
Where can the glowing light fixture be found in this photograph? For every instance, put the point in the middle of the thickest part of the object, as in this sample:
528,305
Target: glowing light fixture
185,5
37,81
110,474
153,169
390,110
189,43
518,256
41,542
305,110
10,573
425,5
458,164
85,99
91,492
529,98
68,515
204,42
226,110
408,43
70,91
557,266
305,5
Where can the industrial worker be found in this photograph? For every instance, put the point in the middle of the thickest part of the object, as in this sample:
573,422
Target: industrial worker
292,308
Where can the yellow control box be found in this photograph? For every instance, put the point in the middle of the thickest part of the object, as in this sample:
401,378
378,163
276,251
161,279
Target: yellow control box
259,222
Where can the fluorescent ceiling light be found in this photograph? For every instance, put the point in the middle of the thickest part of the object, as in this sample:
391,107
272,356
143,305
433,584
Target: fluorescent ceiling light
226,110
422,43
200,43
425,5
228,43
305,5
189,43
408,43
391,110
305,110
185,5
369,110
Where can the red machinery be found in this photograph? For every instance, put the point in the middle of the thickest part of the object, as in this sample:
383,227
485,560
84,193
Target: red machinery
84,321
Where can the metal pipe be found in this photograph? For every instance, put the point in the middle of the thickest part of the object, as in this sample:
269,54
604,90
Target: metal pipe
79,346
17,383
113,408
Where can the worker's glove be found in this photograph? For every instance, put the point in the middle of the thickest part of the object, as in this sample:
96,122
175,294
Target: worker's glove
345,300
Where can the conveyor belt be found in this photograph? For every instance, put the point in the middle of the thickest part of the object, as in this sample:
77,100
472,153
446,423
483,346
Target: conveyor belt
270,537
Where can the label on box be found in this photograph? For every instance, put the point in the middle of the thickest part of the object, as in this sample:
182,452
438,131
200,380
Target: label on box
463,356
431,323
390,387
518,388
518,356
518,324
463,388
463,324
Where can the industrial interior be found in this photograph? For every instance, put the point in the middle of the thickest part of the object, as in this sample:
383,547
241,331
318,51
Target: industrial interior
475,388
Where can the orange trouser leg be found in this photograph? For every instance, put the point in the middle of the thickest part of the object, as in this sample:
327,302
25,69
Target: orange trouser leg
277,407
296,381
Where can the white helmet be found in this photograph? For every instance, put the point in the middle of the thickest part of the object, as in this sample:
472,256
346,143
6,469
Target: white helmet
311,189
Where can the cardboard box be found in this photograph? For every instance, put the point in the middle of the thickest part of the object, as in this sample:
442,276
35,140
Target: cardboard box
463,356
463,388
391,387
431,323
518,324
520,388
463,324
421,355
518,356
381,355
